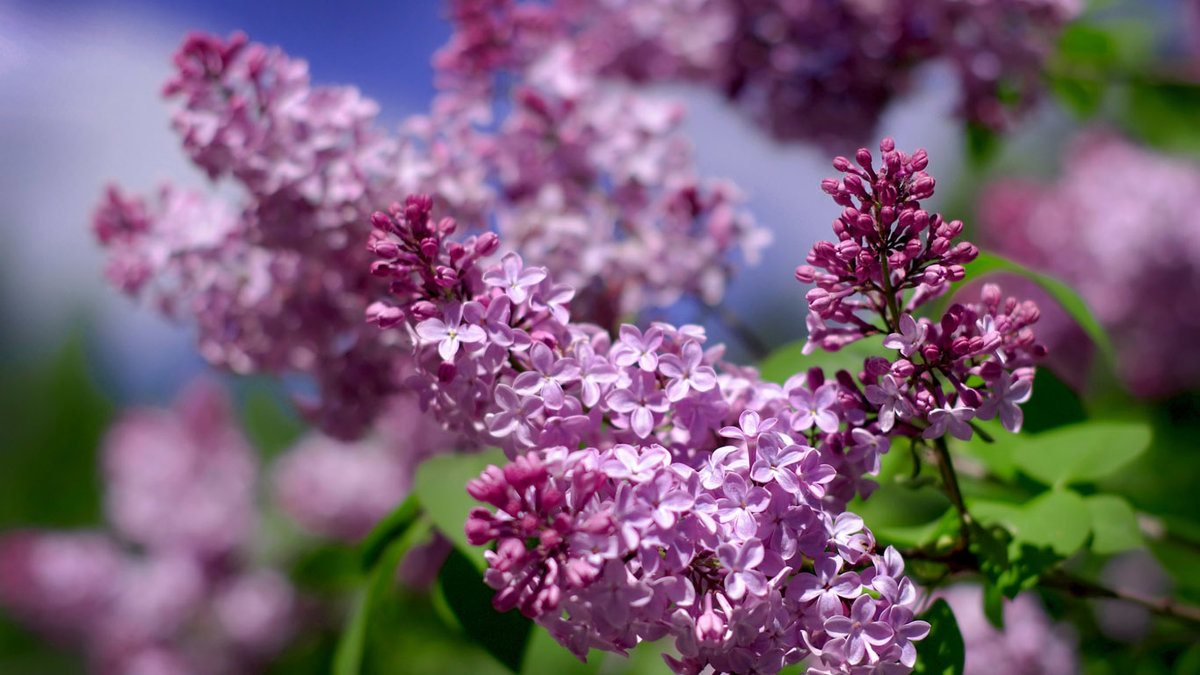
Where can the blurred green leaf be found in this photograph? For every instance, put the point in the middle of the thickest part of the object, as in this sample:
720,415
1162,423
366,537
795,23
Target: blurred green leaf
504,635
270,424
1163,114
943,651
903,516
790,359
983,143
1188,663
993,605
348,657
1081,452
1078,68
394,525
1114,525
1052,405
545,655
440,487
55,418
1058,520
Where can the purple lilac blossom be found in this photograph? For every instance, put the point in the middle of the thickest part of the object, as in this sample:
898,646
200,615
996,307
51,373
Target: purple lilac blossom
1030,644
649,517
823,71
170,586
278,282
891,257
1127,235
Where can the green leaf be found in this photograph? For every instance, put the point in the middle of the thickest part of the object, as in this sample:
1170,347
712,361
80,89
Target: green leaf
348,657
1114,525
270,424
440,487
993,605
790,359
1070,301
394,525
54,422
1081,453
1010,564
1052,405
504,635
942,652
983,143
902,516
1163,114
545,655
1085,53
1059,520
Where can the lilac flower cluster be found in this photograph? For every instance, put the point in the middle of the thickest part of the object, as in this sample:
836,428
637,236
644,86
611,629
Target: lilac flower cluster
653,491
180,491
1030,644
592,181
1127,235
891,256
823,71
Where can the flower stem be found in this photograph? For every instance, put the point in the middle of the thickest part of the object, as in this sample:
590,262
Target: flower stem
950,483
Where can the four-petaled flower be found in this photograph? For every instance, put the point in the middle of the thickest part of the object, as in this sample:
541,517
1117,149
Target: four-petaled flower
687,372
890,400
640,401
514,278
772,464
815,408
908,340
1006,394
449,331
636,347
859,633
949,419
742,577
548,376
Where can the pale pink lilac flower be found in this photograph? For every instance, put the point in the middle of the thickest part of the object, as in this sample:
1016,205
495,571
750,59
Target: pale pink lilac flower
1030,644
1127,235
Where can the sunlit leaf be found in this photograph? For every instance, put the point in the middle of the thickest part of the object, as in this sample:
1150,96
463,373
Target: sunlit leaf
789,359
1081,452
1114,524
440,487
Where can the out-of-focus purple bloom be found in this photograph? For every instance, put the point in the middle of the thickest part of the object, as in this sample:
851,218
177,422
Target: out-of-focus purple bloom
1030,643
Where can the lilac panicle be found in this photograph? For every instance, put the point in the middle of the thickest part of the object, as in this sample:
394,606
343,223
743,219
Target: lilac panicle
277,281
891,257
802,70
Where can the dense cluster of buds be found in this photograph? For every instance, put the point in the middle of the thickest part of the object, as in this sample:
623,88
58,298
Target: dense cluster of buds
891,257
1126,234
180,492
822,71
592,180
